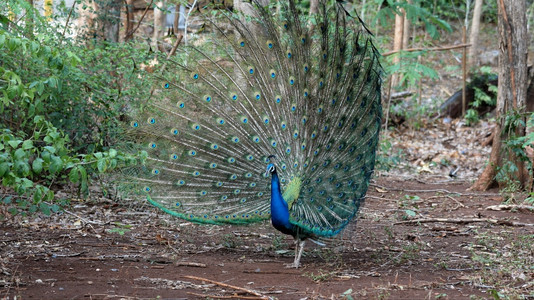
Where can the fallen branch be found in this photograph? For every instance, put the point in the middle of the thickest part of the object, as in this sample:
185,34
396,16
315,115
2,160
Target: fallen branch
464,221
460,204
511,207
433,191
225,297
83,219
401,95
228,286
190,264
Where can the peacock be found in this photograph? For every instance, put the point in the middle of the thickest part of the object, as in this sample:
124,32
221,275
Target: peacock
276,118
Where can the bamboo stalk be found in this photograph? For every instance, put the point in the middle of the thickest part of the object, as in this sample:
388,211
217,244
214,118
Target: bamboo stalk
464,70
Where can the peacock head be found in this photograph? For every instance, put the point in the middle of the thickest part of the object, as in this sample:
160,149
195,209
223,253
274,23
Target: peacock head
271,169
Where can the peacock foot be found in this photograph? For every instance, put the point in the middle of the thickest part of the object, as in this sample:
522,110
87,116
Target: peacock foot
294,265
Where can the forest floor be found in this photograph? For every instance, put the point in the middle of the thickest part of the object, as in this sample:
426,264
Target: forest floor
420,235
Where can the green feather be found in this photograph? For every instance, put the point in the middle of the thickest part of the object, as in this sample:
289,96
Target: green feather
292,191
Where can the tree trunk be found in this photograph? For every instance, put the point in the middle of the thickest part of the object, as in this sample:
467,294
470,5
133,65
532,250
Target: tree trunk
397,44
129,20
512,89
406,30
159,23
246,9
473,36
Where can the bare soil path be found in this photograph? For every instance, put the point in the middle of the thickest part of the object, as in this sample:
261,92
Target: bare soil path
111,252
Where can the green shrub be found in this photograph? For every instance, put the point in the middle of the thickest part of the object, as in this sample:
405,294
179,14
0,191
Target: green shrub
60,108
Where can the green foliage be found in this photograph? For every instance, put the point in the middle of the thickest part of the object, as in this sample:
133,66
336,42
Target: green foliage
60,105
515,145
32,164
414,12
83,98
481,97
410,69
410,203
231,241
120,228
386,158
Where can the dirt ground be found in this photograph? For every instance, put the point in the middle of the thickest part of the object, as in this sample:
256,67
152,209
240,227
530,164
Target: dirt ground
111,252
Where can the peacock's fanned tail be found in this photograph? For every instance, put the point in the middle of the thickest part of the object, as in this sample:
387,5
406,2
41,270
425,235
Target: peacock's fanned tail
309,95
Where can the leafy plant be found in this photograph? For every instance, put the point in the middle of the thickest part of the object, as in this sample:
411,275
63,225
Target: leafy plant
482,97
120,228
414,12
410,69
386,158
32,164
60,108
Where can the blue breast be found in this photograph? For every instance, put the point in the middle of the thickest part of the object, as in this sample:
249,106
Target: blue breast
279,208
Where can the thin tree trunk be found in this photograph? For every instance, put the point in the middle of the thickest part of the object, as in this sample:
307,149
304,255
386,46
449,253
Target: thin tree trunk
246,9
512,89
397,44
176,21
159,19
473,36
129,19
406,30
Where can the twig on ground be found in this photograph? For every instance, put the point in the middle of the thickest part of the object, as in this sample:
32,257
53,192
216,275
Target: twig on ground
83,219
380,198
190,264
511,207
226,297
260,296
464,221
434,191
448,196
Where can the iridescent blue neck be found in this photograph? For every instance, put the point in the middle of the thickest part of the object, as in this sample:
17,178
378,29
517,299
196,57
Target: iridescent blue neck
279,207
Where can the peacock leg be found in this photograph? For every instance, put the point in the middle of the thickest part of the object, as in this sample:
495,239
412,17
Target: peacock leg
299,254
296,254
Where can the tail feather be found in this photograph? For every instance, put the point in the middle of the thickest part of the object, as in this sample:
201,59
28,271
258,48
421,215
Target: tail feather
310,96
